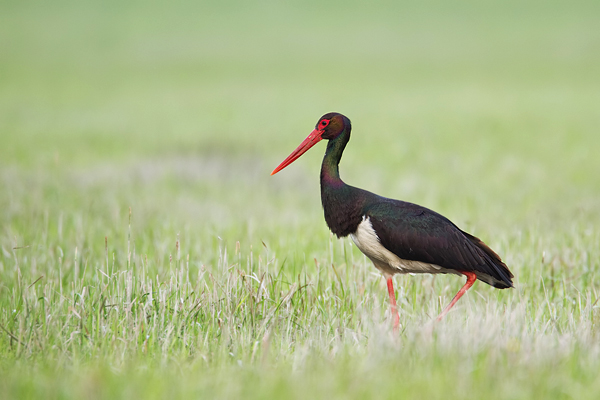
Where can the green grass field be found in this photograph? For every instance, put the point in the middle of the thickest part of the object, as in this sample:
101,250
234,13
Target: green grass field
147,253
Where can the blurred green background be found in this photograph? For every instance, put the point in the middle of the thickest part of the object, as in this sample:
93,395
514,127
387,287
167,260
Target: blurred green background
490,100
487,112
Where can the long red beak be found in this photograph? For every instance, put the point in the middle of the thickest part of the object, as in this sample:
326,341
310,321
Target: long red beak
312,139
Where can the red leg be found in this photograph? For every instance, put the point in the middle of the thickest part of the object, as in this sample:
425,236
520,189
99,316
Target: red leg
471,278
393,306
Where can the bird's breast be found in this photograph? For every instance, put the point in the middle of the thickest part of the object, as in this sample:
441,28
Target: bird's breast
368,242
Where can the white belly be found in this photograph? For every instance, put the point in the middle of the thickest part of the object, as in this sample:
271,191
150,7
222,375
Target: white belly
367,241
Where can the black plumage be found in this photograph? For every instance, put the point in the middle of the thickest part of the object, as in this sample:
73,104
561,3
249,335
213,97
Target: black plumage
411,232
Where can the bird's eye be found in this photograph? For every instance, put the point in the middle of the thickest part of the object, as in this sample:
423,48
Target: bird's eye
324,123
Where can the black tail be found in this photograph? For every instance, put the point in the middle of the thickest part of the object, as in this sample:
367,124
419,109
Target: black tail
500,276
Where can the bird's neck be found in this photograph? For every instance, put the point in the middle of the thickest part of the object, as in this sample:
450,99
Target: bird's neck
341,203
330,172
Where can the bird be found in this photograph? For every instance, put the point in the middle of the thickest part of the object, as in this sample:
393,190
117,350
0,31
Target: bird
397,236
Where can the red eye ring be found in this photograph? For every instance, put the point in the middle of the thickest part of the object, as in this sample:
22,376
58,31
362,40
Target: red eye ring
324,123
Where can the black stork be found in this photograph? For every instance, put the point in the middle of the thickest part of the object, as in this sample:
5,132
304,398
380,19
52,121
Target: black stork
397,236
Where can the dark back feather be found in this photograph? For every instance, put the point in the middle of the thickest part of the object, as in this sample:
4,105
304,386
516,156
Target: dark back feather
413,232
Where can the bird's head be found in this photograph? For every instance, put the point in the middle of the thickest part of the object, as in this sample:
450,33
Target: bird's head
330,126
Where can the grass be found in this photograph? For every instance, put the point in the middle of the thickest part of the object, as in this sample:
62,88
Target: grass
146,251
